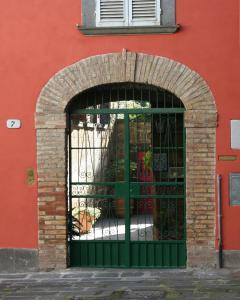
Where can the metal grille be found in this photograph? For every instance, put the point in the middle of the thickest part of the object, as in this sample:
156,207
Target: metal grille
120,96
126,177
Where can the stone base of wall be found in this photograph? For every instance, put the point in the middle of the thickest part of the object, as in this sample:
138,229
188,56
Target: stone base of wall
202,257
18,260
26,260
52,257
231,259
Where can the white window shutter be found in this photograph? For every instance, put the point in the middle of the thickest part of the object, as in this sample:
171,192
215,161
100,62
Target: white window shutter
144,12
110,13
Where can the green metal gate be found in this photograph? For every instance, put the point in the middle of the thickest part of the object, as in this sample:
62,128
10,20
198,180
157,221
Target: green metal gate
126,179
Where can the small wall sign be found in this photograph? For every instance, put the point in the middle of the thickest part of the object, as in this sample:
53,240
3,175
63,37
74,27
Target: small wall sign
30,176
235,134
234,181
227,157
13,123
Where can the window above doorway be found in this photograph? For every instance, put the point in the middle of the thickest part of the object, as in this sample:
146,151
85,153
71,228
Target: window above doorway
127,13
102,17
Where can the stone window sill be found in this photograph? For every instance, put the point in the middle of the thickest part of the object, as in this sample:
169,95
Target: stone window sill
128,30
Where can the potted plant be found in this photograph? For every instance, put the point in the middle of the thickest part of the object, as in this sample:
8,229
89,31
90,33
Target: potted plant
84,217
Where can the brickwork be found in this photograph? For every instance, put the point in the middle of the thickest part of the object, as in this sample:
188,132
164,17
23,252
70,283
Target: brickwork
200,195
200,121
51,198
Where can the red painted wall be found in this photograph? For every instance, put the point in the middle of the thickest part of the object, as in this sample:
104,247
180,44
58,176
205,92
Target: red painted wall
38,38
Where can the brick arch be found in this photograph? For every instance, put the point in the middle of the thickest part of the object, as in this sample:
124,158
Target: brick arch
200,122
168,74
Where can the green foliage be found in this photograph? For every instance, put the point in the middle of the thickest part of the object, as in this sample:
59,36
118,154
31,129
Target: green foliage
116,169
148,160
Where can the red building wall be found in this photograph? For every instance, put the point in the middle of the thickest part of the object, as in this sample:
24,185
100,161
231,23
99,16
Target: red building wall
39,37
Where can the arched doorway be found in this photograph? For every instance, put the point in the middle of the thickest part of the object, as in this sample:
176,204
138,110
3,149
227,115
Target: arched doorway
200,121
126,180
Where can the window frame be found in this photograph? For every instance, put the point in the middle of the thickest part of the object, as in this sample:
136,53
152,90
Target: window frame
167,24
128,19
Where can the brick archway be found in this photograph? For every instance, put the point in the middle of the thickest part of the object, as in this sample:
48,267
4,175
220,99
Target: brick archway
200,122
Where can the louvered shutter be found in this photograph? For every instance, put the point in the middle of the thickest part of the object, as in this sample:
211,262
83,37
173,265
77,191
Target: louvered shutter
144,12
112,13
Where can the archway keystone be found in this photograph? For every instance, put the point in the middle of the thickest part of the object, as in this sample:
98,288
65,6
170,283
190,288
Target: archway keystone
200,123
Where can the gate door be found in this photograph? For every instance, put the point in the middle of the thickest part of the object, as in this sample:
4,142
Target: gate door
127,187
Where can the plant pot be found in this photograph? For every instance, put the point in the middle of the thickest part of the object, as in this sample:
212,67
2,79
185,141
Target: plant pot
120,207
86,221
85,217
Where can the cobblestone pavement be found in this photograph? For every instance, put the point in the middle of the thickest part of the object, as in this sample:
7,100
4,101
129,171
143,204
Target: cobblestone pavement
112,284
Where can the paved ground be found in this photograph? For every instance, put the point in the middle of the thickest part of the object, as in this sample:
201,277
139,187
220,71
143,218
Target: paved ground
141,229
77,284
